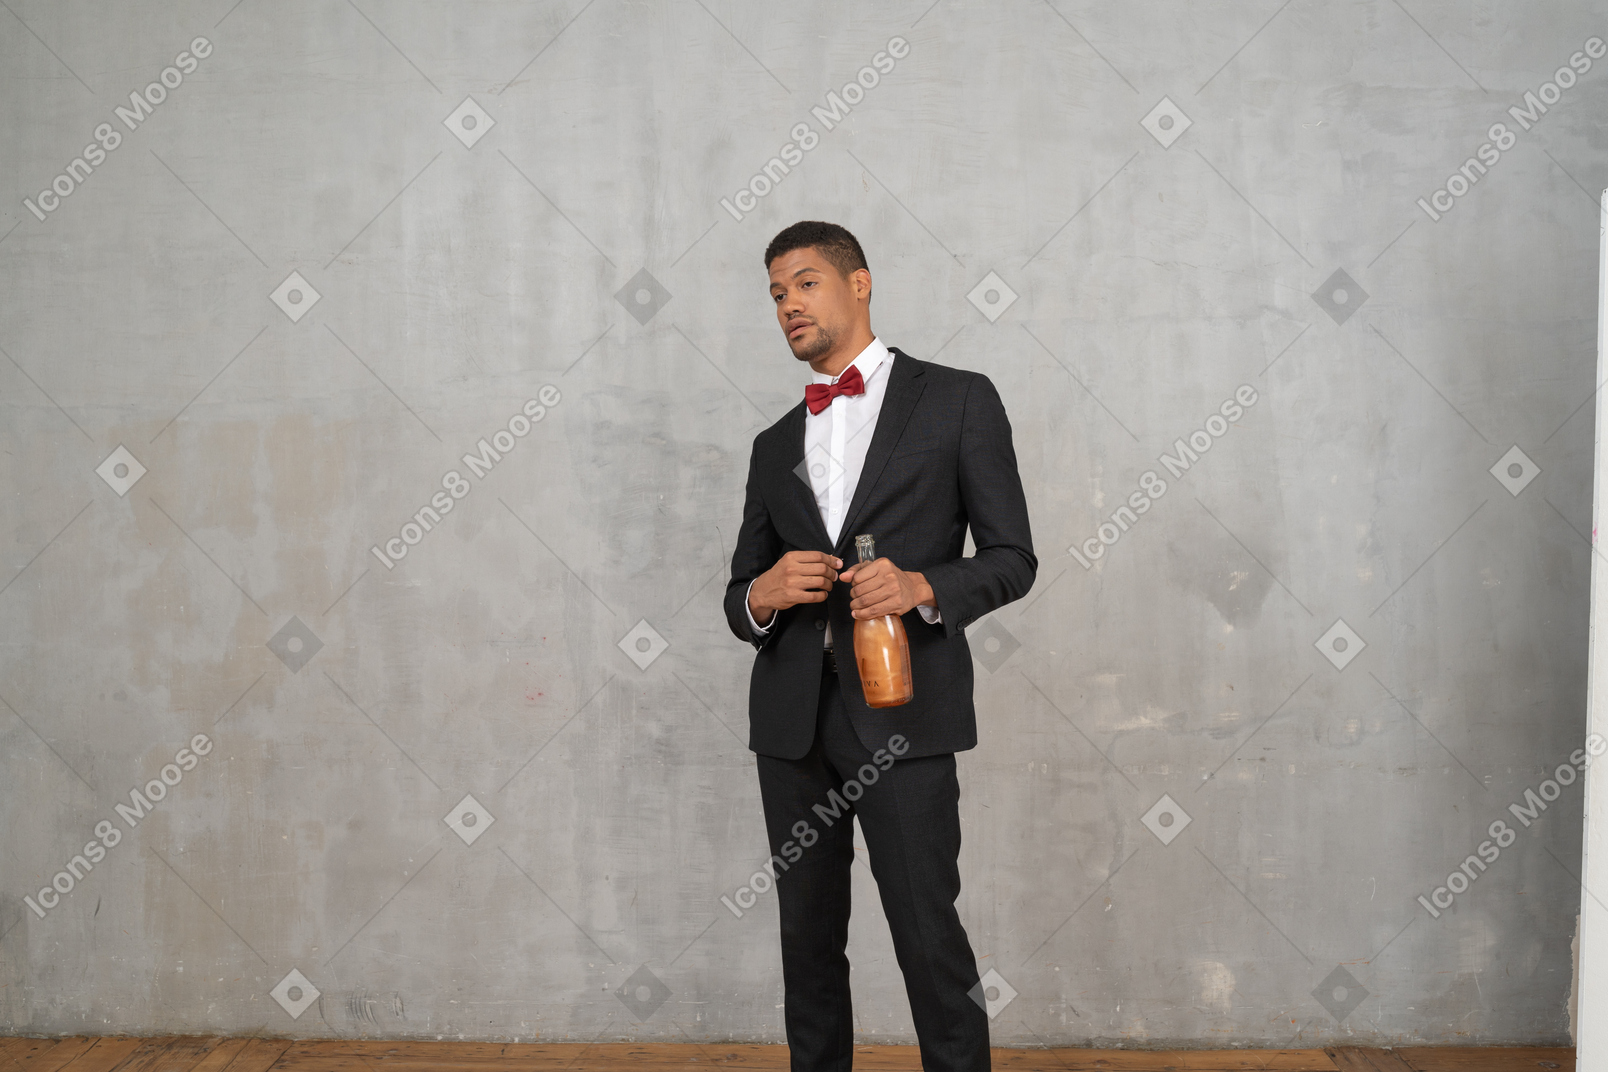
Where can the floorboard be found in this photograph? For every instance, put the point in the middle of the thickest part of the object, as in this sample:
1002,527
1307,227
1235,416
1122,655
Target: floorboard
16,1052
1363,1059
258,1055
59,1056
1487,1058
219,1054
104,1054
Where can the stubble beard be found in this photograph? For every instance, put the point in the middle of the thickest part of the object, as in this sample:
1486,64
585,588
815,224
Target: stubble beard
822,345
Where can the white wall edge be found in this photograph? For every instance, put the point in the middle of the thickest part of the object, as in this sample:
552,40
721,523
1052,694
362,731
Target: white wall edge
1591,1053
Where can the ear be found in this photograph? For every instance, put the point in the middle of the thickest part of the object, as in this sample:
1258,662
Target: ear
861,279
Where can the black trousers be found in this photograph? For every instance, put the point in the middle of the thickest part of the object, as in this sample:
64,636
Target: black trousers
910,816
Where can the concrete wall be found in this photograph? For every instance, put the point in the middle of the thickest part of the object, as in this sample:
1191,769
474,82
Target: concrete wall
1143,272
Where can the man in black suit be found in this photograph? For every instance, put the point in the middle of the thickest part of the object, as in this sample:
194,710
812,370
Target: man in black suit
912,453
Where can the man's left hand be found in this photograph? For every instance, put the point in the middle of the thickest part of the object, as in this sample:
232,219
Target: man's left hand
879,587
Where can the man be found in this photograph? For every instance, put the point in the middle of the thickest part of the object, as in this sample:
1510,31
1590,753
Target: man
912,453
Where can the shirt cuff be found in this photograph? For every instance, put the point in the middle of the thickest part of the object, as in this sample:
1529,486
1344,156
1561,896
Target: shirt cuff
760,629
930,615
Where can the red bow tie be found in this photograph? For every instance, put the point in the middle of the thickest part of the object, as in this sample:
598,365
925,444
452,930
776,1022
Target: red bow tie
819,395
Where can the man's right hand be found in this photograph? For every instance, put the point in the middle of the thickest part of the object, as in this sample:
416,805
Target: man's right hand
797,577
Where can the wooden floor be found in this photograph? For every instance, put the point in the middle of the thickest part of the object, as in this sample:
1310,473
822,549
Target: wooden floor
200,1054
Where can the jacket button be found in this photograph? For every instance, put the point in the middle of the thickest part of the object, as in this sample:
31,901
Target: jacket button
820,624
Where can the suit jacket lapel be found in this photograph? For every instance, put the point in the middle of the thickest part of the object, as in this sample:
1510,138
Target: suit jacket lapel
904,388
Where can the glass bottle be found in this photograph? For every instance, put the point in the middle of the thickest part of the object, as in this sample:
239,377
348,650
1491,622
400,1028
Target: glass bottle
881,649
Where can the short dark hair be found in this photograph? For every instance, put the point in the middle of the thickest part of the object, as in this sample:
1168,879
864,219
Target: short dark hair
836,244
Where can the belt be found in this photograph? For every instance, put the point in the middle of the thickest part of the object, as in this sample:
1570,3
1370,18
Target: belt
828,662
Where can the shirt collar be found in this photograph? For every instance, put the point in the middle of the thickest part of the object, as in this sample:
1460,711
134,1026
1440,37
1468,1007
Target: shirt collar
867,362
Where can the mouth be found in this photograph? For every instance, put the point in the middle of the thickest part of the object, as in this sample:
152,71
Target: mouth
797,328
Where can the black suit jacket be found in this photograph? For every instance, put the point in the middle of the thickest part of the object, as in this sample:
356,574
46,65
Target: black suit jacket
940,459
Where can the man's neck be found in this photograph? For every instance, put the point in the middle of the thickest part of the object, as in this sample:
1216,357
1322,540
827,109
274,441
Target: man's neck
841,357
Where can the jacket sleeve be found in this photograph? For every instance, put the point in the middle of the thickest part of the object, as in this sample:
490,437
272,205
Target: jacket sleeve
758,548
1003,567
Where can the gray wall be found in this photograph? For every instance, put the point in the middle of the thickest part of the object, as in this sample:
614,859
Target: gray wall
1316,801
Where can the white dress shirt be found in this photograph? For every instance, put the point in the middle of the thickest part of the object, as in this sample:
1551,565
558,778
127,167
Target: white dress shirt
835,444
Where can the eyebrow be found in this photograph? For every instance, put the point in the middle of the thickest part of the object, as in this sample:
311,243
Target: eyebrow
801,271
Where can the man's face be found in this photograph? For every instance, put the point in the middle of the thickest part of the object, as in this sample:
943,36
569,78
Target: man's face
815,305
